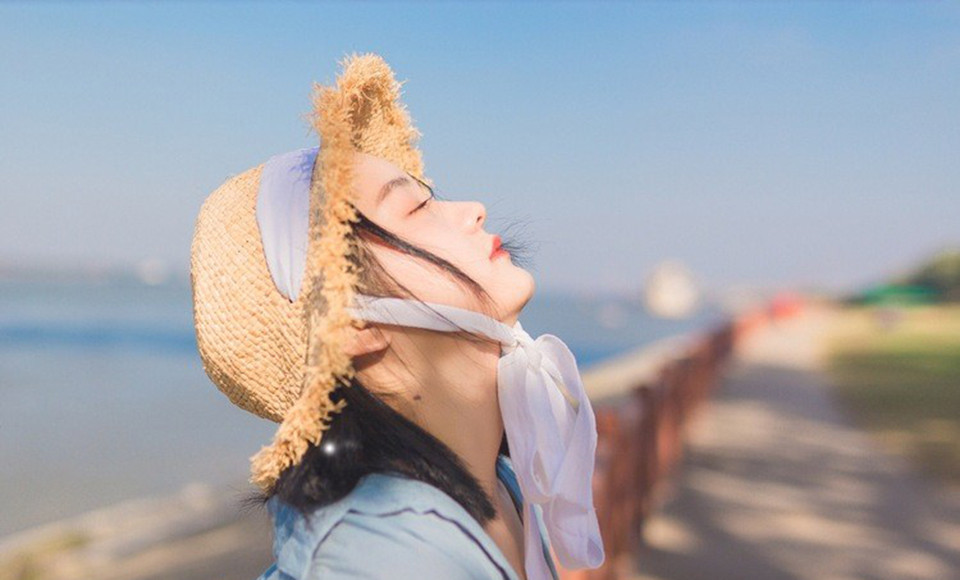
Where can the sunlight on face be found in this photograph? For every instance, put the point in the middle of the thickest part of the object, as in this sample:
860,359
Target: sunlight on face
453,230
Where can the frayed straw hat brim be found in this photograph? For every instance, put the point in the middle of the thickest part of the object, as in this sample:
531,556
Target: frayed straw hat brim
272,357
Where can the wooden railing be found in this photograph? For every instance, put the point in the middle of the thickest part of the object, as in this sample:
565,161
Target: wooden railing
641,435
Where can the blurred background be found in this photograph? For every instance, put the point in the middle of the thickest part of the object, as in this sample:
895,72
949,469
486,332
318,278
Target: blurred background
672,167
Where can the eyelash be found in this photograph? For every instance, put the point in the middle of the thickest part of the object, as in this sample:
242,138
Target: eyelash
426,201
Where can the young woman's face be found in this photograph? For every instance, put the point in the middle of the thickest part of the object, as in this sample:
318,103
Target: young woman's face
453,230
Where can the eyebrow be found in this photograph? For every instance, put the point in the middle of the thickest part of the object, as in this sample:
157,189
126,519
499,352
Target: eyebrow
390,185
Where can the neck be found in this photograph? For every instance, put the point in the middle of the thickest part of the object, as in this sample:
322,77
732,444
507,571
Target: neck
460,406
451,392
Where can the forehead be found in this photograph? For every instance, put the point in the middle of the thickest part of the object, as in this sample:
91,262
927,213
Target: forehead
370,172
370,175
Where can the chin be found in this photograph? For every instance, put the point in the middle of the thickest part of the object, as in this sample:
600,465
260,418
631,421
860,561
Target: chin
523,289
531,283
512,294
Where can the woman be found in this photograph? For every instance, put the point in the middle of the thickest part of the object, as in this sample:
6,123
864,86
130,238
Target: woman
393,458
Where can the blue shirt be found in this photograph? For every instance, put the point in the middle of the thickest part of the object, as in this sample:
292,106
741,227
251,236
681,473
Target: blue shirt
390,526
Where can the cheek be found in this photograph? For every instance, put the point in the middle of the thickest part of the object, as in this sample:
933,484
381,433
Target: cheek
428,282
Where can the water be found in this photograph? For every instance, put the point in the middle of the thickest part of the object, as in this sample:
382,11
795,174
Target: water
103,397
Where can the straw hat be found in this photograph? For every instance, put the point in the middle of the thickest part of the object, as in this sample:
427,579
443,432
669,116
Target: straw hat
273,357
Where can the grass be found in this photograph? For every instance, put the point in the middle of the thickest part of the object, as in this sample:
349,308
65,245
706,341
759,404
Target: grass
902,382
31,564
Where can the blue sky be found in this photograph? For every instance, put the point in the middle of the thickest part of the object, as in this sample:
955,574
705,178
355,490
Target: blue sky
812,144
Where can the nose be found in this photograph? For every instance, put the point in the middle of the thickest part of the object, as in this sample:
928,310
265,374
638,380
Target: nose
476,215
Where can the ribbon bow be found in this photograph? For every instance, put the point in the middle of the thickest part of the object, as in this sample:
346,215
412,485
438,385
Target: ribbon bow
552,432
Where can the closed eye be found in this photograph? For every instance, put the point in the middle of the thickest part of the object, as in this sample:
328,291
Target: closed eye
426,201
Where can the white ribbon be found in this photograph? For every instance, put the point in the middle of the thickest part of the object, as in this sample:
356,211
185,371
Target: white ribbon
553,439
283,213
548,419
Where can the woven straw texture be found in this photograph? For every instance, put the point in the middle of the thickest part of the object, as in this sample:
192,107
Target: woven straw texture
278,359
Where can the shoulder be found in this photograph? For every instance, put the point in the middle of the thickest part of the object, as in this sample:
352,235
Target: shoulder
386,525
402,545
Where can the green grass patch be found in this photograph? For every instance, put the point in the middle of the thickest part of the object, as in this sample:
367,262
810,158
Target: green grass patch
901,380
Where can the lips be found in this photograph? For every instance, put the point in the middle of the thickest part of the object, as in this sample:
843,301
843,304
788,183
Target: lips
495,246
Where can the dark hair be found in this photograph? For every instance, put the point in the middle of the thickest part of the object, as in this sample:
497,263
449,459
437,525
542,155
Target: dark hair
370,436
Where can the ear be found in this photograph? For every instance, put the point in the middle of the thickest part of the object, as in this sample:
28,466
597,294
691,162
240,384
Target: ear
365,341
